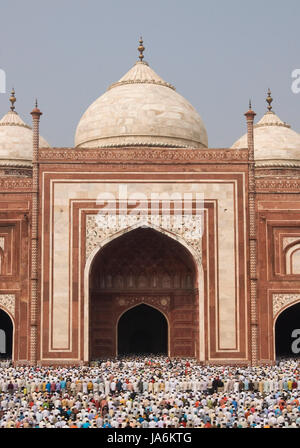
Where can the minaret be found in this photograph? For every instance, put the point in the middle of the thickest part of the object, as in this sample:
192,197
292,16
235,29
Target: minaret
36,114
250,114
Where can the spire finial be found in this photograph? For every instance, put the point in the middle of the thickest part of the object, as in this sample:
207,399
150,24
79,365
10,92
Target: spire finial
12,99
36,111
250,114
141,49
269,100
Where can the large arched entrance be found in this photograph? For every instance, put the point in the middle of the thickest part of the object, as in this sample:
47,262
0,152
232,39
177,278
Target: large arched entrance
6,335
143,267
142,330
285,332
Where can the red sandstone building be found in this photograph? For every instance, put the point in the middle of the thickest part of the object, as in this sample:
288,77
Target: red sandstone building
89,268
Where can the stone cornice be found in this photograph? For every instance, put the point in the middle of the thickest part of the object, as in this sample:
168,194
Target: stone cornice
16,163
277,164
142,155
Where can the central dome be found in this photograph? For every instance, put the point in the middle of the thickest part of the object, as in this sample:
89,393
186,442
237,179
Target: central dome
141,110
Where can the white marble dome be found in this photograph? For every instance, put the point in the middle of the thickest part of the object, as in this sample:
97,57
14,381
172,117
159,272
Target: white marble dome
16,141
141,109
275,143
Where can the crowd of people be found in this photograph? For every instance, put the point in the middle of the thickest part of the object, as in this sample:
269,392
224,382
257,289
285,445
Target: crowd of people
150,392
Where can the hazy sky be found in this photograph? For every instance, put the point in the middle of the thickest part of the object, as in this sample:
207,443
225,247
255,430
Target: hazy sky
217,53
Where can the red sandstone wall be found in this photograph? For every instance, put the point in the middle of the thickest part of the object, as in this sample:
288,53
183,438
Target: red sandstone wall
59,163
278,217
15,202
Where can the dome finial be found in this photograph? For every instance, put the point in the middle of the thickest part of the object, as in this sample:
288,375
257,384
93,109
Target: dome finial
12,99
141,49
269,100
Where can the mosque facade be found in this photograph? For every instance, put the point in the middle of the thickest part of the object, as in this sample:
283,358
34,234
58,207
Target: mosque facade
143,239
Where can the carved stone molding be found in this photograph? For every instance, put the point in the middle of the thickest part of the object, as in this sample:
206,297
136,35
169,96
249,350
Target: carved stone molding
13,164
7,302
157,301
101,228
15,184
18,172
280,301
278,185
278,164
144,155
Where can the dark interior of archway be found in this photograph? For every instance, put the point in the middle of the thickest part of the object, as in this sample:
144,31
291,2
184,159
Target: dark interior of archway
142,330
287,322
7,327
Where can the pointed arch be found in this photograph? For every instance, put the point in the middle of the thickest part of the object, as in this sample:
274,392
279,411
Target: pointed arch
130,308
175,236
292,258
293,324
196,257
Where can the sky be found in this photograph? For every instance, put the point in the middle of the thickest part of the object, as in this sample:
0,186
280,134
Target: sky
217,53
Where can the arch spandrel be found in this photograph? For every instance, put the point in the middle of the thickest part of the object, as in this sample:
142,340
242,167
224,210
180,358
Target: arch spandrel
283,301
98,236
7,303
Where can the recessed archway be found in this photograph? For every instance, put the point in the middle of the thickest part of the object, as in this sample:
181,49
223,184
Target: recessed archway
143,266
142,330
6,335
285,332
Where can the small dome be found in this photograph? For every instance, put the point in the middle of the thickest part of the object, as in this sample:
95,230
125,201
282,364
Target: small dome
141,109
275,143
16,140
